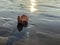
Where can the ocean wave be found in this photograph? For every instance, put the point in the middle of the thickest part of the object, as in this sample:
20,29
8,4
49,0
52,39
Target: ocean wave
50,6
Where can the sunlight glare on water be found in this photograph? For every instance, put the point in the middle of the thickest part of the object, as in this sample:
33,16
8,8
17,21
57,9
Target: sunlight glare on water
32,6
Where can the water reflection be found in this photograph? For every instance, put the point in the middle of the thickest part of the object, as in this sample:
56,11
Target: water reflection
33,5
20,26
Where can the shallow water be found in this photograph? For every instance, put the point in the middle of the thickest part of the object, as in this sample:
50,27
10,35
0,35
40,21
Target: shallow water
44,22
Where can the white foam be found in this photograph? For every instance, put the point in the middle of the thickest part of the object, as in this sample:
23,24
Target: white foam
27,35
3,37
30,26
